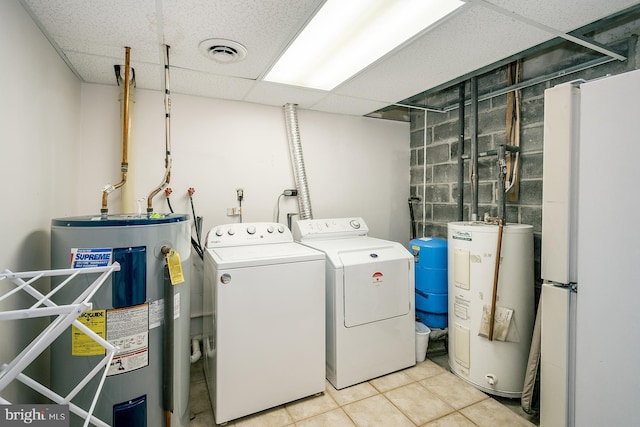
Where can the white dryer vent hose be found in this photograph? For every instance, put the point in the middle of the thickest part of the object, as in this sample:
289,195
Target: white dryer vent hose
297,160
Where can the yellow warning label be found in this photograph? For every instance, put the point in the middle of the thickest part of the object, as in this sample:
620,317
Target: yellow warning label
81,343
175,268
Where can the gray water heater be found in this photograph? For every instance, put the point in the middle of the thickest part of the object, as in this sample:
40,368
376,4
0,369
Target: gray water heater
140,309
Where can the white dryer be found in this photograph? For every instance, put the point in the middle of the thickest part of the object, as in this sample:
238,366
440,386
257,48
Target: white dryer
369,300
264,326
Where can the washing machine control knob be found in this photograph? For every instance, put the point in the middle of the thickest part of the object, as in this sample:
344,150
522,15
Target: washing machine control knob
281,229
355,223
251,229
219,232
231,232
270,229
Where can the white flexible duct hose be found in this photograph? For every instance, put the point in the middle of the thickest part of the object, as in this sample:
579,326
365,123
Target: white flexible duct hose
297,160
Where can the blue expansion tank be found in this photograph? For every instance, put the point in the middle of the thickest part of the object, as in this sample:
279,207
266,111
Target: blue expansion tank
431,280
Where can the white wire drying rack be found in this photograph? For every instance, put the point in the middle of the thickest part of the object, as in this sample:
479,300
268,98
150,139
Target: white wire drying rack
66,315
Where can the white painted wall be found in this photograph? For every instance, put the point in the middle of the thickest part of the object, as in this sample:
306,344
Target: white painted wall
39,116
355,166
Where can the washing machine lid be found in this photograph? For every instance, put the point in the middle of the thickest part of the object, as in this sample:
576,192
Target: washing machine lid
256,255
377,285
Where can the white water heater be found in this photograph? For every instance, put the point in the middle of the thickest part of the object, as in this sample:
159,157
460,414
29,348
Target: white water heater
495,366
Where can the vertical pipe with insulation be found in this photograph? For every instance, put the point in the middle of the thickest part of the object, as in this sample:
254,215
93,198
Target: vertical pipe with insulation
297,160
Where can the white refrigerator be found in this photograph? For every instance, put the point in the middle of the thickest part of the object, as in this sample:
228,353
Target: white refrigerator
590,343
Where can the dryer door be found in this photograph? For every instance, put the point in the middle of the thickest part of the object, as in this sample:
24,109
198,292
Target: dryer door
376,285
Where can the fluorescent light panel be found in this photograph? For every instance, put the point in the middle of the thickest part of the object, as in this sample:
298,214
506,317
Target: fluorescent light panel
346,36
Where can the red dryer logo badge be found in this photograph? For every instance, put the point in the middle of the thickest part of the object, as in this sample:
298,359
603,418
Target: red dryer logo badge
377,277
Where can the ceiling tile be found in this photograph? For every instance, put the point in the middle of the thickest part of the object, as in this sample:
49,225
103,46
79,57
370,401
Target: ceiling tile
471,39
105,23
91,36
279,94
264,27
100,70
208,85
564,15
348,105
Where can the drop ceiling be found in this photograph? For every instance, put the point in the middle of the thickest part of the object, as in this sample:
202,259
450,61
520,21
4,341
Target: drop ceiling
90,35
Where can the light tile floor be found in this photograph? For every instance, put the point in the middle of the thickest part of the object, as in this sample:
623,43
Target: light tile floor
426,395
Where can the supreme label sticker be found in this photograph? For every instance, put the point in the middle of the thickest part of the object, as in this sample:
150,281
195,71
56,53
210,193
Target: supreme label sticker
90,257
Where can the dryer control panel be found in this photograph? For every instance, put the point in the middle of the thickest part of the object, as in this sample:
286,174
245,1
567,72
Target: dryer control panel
335,228
248,233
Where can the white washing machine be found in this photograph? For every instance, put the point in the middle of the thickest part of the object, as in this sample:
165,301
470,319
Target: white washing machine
369,300
264,326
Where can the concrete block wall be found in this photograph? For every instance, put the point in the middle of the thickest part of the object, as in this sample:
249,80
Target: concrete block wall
434,138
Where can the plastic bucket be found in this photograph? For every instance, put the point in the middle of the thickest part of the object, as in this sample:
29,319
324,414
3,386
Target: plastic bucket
432,320
422,341
432,303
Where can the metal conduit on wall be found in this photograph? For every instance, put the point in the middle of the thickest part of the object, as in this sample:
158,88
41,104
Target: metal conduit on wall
500,152
167,132
473,102
474,148
461,102
424,176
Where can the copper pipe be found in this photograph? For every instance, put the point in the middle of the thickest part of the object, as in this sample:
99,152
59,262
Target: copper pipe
105,194
167,162
124,165
494,294
125,122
